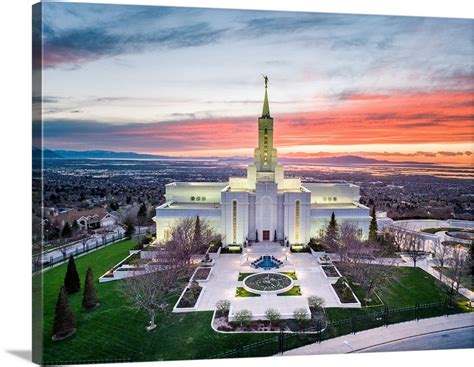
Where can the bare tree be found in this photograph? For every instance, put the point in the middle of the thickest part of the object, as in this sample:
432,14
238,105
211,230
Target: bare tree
365,266
348,239
151,291
189,237
407,241
441,253
460,266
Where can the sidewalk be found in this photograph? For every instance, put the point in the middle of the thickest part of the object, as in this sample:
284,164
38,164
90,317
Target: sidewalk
365,339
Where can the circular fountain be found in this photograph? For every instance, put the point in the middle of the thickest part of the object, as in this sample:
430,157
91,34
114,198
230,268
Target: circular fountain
268,283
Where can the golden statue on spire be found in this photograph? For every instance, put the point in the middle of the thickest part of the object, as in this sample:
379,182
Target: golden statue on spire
266,80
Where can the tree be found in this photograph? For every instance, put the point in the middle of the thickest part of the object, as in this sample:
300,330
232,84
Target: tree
187,239
275,236
222,306
441,253
331,239
243,317
129,224
150,291
459,268
316,302
64,320
66,231
373,228
256,236
89,298
406,240
471,258
72,283
301,316
142,214
75,225
363,266
273,316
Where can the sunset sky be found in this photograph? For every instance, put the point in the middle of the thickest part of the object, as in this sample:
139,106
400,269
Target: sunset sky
188,82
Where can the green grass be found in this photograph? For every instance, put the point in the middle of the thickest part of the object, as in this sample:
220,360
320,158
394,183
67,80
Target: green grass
466,280
116,331
242,276
242,292
407,287
295,291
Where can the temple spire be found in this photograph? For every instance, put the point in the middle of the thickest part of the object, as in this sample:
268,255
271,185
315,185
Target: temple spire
266,108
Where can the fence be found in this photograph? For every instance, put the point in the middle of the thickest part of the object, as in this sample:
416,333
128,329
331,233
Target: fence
284,341
41,262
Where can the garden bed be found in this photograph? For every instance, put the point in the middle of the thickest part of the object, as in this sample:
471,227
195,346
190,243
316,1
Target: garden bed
330,271
344,292
295,291
300,248
242,292
202,274
189,297
231,250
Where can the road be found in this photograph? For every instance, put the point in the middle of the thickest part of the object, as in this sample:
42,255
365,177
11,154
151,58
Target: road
448,339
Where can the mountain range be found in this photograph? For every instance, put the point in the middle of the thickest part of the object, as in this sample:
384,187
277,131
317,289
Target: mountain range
105,154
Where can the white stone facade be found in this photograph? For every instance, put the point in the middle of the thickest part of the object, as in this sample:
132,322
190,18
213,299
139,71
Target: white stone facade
265,204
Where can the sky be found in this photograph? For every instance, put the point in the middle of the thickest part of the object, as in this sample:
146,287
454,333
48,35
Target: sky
188,82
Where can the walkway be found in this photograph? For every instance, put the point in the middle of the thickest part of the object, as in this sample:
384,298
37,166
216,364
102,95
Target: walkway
368,339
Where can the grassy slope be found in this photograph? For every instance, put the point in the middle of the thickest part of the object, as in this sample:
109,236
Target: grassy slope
116,331
408,286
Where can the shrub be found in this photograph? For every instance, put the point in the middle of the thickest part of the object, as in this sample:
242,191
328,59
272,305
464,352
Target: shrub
316,302
223,305
64,319
301,316
272,315
243,317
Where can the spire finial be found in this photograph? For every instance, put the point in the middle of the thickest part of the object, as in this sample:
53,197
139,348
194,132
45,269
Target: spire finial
266,108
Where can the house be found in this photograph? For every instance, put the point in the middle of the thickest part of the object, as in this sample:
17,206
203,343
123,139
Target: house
88,219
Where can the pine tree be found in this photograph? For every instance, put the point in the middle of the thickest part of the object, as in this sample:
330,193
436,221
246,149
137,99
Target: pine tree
197,237
331,239
64,319
373,228
66,232
275,236
141,215
89,298
256,236
72,282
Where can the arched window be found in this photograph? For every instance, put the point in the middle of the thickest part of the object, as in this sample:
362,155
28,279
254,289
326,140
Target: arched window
234,221
297,221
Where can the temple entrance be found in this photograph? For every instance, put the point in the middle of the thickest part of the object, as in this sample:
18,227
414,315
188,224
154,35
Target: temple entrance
266,235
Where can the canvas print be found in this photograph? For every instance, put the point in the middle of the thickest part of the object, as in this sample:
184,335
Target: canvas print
214,183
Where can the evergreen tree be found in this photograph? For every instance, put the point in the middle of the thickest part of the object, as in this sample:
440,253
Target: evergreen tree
64,319
256,236
275,236
66,232
75,225
197,237
129,227
72,282
471,257
373,228
331,239
89,298
141,215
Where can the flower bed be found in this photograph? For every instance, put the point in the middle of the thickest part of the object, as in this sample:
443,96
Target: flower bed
295,291
242,292
268,283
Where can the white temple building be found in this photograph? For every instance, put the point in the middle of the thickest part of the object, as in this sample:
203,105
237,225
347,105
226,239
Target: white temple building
265,205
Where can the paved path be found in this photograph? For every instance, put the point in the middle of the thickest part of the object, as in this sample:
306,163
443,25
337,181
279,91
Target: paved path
364,340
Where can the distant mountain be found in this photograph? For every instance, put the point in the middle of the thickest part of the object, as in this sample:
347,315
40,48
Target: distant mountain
36,152
105,154
344,160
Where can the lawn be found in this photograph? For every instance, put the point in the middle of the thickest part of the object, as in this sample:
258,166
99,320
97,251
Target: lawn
407,287
466,280
116,331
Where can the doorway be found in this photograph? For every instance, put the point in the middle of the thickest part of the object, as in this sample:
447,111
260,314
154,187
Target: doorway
266,235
